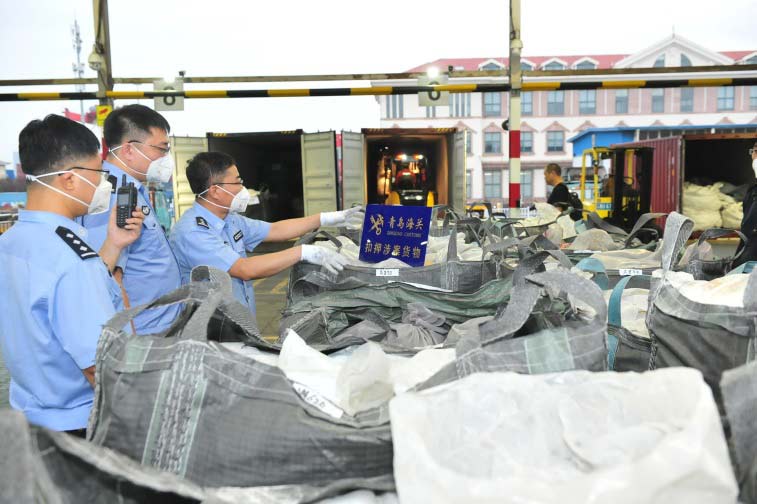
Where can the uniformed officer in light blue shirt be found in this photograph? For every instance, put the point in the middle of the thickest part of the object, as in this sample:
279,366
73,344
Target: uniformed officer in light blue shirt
139,153
57,291
212,233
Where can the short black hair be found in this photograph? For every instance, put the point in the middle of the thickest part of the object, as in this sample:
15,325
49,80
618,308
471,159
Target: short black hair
129,122
554,168
206,167
47,145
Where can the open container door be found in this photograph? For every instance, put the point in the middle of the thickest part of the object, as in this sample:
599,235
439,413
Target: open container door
319,172
183,149
353,169
457,190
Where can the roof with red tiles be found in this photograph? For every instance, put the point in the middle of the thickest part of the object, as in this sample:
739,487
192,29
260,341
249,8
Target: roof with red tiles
602,60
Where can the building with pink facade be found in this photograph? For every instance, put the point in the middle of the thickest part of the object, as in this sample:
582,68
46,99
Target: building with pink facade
549,119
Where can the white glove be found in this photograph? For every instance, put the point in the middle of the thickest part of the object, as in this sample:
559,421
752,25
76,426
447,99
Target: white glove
351,218
333,262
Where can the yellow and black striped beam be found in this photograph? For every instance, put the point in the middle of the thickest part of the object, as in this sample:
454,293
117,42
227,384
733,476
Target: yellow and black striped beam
389,90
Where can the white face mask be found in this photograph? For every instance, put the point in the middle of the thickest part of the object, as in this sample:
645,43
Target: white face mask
754,166
100,199
160,170
238,204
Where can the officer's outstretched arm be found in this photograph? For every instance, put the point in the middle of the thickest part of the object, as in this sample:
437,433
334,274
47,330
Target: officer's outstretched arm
292,228
250,268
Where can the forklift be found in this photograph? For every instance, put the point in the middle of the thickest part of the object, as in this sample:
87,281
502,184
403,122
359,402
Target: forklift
601,201
404,180
626,191
629,185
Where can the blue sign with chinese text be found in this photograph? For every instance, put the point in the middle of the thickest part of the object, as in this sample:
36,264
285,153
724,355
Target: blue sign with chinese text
399,232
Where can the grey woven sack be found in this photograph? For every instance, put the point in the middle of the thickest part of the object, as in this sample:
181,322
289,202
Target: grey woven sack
321,319
619,236
707,337
183,404
40,465
626,351
538,332
453,221
626,239
453,275
709,269
739,388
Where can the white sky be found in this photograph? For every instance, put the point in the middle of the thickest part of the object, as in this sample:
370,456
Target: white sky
246,37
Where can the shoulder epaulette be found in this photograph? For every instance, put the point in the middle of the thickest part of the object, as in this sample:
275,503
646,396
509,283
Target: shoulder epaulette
77,244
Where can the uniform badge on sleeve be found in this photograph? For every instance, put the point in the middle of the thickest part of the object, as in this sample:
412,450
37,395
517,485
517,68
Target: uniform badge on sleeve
77,244
202,222
238,236
146,210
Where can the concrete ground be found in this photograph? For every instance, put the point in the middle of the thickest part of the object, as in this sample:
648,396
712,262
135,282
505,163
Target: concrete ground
270,294
270,297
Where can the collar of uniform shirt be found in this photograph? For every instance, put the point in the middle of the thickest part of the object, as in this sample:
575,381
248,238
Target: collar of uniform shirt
53,220
214,221
119,172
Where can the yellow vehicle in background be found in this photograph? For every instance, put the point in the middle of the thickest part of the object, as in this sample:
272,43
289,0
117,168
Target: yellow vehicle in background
625,191
600,204
404,180
480,209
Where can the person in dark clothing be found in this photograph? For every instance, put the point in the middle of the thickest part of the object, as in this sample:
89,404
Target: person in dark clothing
749,221
560,196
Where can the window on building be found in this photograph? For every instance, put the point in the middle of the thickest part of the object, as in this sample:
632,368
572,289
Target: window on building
468,142
554,65
468,184
527,103
725,98
526,66
621,101
587,101
492,184
492,104
491,66
459,104
555,141
687,99
526,185
659,62
492,142
586,65
658,101
555,103
527,141
685,61
395,107
430,112
753,98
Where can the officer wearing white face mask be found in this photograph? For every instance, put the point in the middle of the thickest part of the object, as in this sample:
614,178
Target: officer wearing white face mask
57,290
139,153
212,233
749,221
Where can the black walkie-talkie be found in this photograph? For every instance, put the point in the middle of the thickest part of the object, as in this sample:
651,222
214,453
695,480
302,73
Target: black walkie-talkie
126,202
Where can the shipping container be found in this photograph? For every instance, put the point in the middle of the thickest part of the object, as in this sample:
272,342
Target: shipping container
442,148
300,174
702,159
295,172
